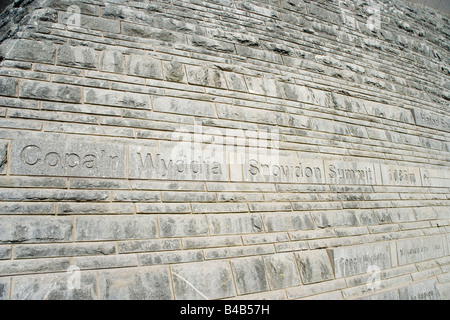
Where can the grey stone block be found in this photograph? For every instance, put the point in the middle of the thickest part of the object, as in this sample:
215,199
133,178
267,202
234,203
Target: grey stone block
5,252
8,87
203,281
287,221
174,71
282,270
116,98
144,66
234,224
35,229
79,57
4,288
184,106
3,156
250,275
92,22
164,258
145,283
163,208
49,91
106,262
211,242
58,286
149,245
14,267
95,208
182,226
314,266
115,228
424,290
111,61
28,50
206,77
63,250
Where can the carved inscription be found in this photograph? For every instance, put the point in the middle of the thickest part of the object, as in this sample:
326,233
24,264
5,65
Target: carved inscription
77,158
152,163
349,261
424,290
401,175
68,158
432,120
350,173
419,249
285,169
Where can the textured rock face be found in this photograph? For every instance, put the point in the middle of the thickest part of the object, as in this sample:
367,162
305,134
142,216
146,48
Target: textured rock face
219,149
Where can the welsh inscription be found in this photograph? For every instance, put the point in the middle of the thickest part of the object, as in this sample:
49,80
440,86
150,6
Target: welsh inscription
432,120
153,163
67,158
419,249
349,261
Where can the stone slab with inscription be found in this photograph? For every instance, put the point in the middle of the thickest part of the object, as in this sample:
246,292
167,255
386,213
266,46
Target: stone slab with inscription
66,158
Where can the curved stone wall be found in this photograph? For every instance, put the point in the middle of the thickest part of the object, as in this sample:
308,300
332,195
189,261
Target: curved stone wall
176,149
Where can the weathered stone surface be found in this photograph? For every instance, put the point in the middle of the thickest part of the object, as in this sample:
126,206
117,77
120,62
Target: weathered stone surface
314,266
5,252
28,50
111,61
115,228
287,221
144,66
203,280
250,275
3,156
35,229
4,288
8,87
234,224
182,226
282,270
58,286
174,71
81,57
62,250
116,98
50,91
147,283
425,290
184,106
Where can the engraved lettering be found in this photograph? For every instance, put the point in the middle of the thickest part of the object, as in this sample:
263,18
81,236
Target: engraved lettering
89,161
30,155
52,159
73,160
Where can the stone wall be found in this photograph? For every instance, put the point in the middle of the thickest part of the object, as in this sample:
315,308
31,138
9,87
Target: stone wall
176,149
